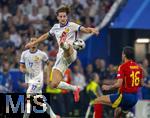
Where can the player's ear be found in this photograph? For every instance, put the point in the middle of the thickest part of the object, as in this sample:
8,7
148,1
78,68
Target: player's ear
57,17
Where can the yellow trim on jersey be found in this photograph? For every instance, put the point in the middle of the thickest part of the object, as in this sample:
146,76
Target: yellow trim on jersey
117,102
51,77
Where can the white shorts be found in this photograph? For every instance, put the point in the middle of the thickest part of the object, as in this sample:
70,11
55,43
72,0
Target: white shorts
34,88
63,63
35,84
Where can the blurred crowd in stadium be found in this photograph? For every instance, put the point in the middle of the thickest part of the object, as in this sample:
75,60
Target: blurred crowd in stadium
21,19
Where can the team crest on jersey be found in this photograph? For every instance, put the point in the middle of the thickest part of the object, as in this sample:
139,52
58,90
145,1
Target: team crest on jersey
67,30
36,58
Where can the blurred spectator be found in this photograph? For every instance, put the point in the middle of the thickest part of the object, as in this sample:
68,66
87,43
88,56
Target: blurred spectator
111,72
78,78
31,31
43,9
88,72
56,4
93,89
146,87
23,26
146,66
26,7
6,13
1,17
100,68
15,37
67,2
5,77
93,7
35,18
18,18
51,18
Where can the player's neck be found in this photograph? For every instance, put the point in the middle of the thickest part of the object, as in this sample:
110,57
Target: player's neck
63,25
33,50
126,60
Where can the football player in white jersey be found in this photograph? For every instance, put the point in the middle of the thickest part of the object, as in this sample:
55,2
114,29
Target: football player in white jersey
31,63
65,33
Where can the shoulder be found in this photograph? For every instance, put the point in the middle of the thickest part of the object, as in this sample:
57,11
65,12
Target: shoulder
72,23
41,52
121,66
25,52
57,25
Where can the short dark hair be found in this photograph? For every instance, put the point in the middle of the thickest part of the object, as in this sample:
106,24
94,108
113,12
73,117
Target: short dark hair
129,52
63,9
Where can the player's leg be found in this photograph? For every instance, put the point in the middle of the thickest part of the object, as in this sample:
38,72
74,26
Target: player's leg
41,101
113,100
104,99
56,81
27,107
117,112
62,63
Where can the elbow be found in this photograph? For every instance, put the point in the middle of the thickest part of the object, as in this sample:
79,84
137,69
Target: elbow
21,69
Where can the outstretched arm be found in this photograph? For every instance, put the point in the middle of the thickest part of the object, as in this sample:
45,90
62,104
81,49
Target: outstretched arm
40,39
116,85
89,30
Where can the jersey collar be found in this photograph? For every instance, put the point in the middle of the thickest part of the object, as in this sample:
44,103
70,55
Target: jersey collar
34,51
64,25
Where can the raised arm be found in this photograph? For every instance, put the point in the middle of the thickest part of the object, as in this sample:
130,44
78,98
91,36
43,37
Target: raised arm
40,39
114,86
89,30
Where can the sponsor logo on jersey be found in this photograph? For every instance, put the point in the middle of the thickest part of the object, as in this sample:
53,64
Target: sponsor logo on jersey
36,58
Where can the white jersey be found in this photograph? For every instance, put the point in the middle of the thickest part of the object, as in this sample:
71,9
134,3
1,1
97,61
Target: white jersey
70,28
34,65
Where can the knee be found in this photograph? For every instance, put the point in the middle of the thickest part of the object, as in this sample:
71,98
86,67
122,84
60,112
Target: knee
98,100
54,84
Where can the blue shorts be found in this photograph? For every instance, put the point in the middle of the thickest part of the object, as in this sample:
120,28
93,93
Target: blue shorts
124,100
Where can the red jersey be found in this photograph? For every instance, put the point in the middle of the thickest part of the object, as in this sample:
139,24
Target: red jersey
132,74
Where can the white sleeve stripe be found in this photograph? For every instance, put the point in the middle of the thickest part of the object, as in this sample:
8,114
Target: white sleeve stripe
22,62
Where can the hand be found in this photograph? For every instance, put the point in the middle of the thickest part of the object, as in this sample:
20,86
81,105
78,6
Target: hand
106,87
95,31
29,45
97,101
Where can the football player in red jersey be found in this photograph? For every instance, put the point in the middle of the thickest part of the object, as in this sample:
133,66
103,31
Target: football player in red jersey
129,79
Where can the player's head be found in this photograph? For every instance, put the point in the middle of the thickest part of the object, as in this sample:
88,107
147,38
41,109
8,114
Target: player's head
34,47
127,53
95,77
62,14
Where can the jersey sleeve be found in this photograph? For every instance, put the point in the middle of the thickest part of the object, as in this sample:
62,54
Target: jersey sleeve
51,31
76,27
120,74
22,60
45,57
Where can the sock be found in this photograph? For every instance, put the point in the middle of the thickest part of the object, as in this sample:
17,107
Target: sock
50,111
64,85
26,115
